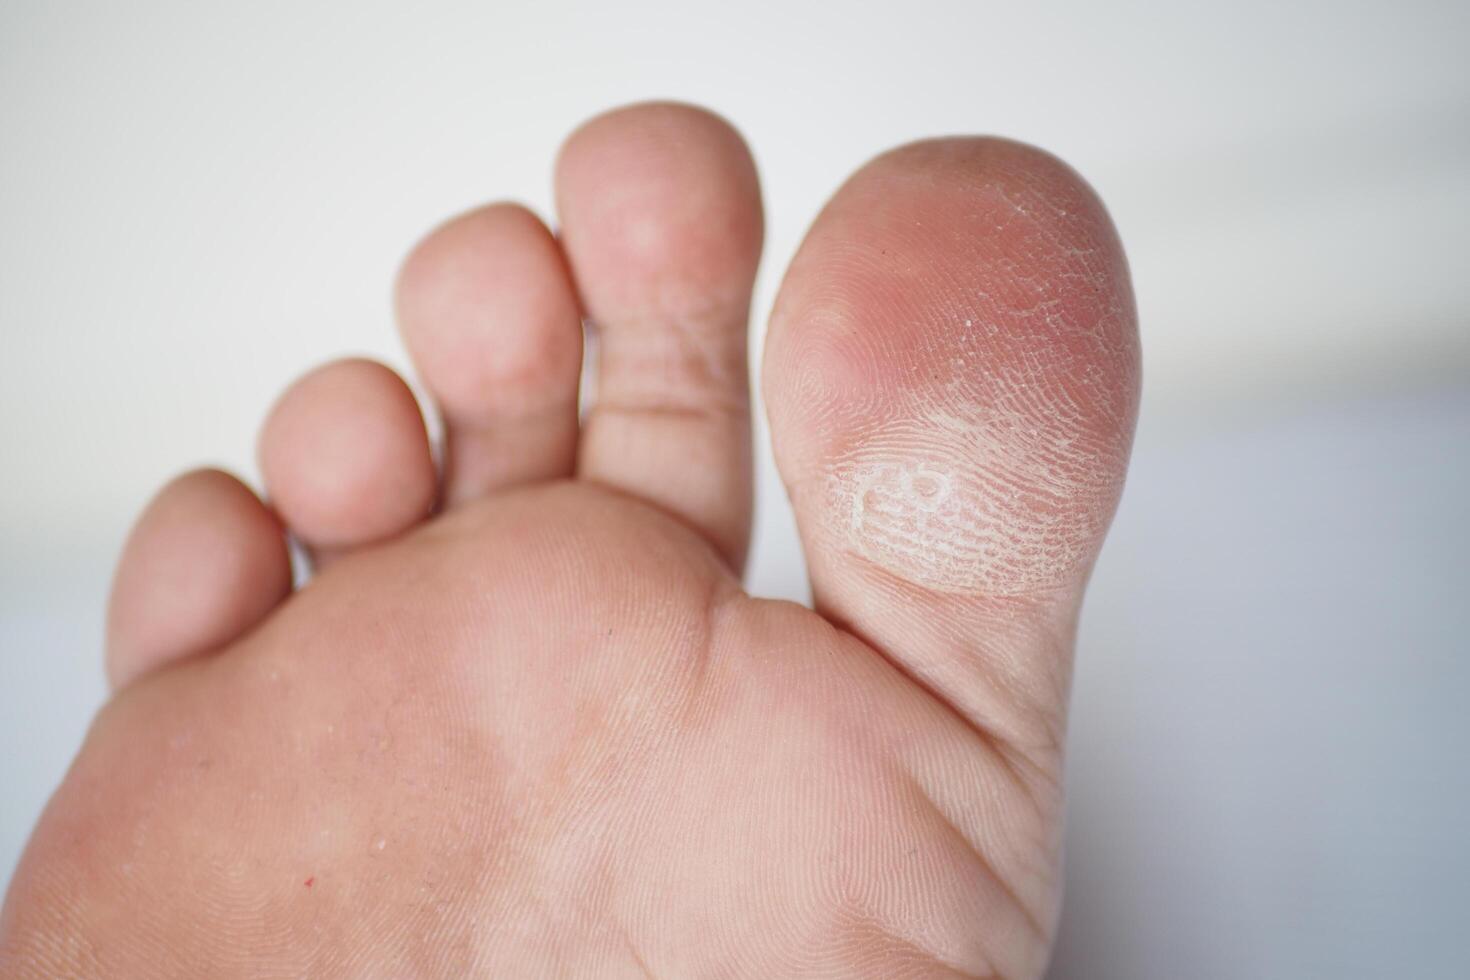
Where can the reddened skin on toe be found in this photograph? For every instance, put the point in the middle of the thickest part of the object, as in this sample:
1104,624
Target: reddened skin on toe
953,371
952,378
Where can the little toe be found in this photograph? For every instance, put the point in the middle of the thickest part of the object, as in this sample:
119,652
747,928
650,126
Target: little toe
489,314
346,458
205,562
952,377
662,225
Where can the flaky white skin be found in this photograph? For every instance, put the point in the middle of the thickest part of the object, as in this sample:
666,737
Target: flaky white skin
544,732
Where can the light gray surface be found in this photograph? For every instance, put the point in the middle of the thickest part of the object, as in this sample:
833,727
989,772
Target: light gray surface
1267,747
197,201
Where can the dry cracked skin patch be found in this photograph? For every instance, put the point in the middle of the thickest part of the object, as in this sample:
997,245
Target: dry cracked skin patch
991,453
974,500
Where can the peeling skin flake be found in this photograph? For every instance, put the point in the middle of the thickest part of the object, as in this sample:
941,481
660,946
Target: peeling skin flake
975,499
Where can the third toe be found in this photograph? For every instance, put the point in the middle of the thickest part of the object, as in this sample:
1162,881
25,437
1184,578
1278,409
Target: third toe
488,312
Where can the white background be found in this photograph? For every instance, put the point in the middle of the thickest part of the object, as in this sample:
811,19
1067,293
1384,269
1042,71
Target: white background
199,200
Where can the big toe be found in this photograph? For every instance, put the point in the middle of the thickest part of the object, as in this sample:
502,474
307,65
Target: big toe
952,376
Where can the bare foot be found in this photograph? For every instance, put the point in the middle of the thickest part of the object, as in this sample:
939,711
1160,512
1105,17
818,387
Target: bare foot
542,731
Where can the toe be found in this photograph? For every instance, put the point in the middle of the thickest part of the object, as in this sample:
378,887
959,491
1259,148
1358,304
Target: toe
346,458
662,225
204,563
488,312
952,377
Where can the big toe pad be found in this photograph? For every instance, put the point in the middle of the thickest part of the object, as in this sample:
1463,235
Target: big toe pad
953,372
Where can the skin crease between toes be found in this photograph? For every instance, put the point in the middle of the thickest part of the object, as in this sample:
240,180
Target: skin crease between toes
546,733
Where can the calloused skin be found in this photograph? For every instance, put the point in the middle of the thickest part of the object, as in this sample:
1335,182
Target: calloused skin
524,721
